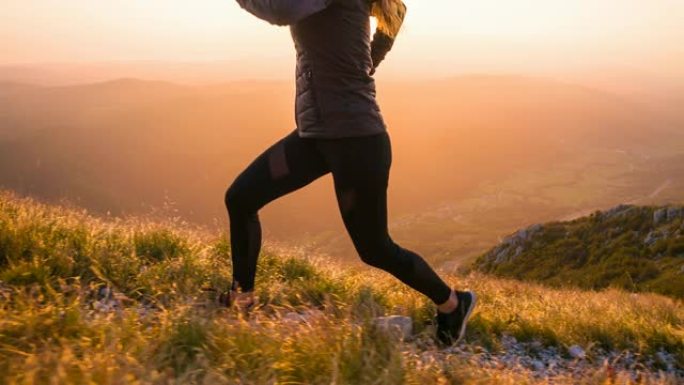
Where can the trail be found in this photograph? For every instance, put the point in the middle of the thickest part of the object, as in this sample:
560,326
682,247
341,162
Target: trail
655,192
584,212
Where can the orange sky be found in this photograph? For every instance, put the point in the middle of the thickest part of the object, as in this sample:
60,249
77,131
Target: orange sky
440,36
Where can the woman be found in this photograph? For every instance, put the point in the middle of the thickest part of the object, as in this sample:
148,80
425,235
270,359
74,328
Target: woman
339,130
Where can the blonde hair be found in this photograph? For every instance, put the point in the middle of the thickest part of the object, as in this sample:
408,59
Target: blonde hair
390,15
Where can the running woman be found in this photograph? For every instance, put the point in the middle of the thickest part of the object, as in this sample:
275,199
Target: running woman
339,129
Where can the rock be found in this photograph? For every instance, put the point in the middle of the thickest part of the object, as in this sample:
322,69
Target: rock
312,314
5,291
576,351
536,345
512,245
659,216
617,211
399,325
652,237
518,251
105,293
538,365
674,213
508,341
304,317
665,359
553,363
501,256
293,317
107,299
524,235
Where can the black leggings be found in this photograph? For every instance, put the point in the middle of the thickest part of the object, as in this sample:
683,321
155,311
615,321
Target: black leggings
360,168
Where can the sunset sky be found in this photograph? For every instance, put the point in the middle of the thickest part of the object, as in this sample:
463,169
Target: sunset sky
443,36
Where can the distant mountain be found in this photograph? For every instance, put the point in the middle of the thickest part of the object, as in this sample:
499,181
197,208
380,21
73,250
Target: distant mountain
127,146
193,72
639,248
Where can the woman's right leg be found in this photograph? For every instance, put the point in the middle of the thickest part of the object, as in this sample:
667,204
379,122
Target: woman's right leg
289,164
360,168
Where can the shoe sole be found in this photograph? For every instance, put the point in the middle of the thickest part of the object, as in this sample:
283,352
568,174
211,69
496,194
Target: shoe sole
473,301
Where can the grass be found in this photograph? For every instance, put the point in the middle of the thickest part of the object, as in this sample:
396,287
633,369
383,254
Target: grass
598,251
55,326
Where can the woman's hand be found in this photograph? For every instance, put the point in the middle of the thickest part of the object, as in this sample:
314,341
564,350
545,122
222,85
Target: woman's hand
380,46
382,42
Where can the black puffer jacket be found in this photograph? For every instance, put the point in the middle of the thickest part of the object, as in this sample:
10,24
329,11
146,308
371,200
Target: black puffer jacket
335,92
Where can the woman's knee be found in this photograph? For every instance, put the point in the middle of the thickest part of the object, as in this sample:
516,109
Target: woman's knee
378,253
236,200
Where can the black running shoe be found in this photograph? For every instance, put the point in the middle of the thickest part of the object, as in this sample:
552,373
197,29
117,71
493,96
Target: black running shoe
451,326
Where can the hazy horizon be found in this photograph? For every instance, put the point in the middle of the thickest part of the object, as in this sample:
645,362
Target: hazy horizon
474,157
442,38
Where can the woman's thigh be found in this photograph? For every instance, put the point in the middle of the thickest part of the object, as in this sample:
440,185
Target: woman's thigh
287,165
360,168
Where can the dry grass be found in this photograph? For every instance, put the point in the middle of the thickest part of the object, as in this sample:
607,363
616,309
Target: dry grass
55,328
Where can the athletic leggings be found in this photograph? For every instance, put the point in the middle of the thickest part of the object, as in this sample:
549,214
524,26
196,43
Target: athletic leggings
360,169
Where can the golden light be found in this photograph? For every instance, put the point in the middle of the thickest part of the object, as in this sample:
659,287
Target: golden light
636,32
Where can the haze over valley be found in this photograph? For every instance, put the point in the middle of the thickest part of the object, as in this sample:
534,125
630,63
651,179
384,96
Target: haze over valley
474,156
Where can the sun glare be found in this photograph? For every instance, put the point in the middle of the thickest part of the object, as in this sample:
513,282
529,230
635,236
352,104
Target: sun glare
480,33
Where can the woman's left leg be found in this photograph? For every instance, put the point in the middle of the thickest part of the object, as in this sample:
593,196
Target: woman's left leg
286,166
360,168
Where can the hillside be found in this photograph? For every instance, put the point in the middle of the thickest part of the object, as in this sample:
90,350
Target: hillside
636,248
121,301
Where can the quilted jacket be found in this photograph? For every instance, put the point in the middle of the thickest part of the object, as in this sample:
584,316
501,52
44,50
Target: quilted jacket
336,58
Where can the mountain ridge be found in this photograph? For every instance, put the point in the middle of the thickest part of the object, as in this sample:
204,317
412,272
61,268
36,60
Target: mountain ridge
638,248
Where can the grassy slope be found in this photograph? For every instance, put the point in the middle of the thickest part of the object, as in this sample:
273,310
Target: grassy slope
53,262
626,249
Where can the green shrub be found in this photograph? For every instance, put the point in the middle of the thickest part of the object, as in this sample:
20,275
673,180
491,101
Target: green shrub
597,252
158,244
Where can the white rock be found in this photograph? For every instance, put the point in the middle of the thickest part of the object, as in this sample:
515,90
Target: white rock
651,237
666,359
501,256
659,216
293,317
401,325
674,212
618,210
553,364
509,342
518,251
538,365
536,345
312,314
304,317
576,351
